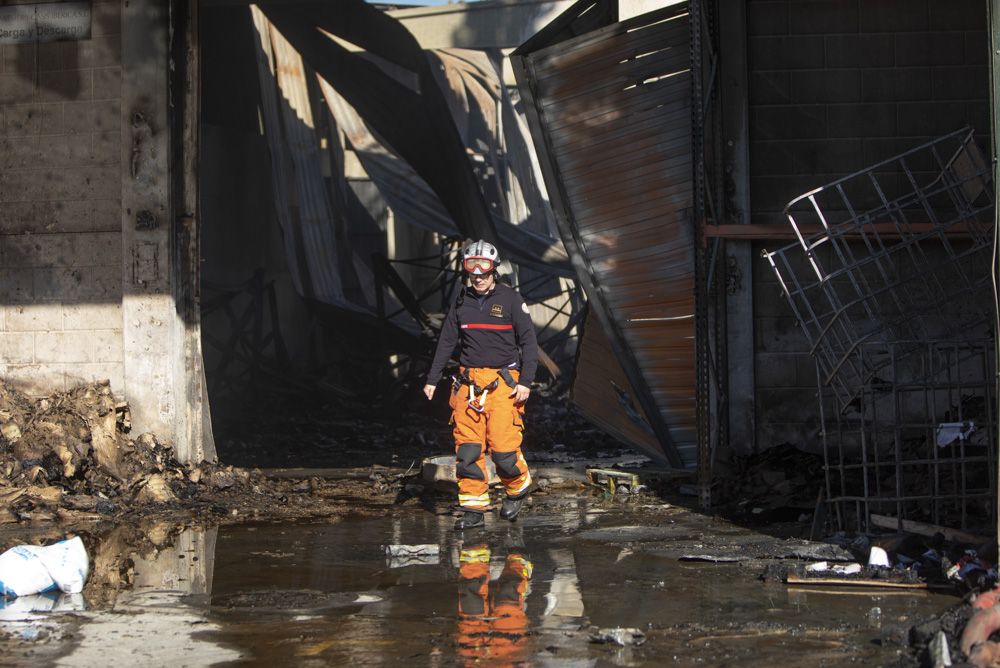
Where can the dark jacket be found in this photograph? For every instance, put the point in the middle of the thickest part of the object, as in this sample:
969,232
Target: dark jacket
493,331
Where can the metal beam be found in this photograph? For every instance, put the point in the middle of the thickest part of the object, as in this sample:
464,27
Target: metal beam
994,22
767,232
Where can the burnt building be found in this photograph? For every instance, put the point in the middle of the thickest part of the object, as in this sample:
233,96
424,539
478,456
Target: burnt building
192,193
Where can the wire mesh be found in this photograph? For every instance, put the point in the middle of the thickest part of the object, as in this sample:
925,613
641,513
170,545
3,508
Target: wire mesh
895,252
889,280
919,442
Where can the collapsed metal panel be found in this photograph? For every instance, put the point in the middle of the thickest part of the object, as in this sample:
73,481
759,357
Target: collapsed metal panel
597,370
611,117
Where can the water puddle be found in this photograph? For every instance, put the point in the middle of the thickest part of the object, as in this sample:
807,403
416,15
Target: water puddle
318,594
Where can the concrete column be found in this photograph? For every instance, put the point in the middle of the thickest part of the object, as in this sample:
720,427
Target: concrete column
194,422
157,365
739,254
147,305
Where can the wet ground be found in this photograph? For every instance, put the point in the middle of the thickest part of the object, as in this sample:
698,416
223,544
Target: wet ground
537,591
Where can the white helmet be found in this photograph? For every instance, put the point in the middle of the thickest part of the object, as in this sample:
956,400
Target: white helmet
480,257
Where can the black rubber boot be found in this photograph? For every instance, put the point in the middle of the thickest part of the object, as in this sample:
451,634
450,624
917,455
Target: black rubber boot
510,508
470,520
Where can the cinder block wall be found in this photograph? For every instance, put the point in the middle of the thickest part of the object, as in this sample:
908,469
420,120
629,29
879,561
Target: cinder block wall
836,85
60,209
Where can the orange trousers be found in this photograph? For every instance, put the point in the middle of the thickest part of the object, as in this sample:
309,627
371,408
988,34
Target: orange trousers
492,625
496,430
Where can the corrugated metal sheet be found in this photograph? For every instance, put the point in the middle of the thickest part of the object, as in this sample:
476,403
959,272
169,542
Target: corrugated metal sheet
414,203
603,392
280,169
415,123
304,209
411,199
319,262
611,115
322,263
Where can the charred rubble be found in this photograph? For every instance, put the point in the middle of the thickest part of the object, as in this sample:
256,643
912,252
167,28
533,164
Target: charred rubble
73,456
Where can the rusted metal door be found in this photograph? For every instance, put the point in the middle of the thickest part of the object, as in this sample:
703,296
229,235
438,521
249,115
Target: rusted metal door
610,109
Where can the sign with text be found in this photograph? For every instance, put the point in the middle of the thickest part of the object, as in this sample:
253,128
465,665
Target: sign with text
45,22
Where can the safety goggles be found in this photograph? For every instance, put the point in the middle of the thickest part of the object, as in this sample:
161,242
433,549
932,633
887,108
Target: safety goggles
478,265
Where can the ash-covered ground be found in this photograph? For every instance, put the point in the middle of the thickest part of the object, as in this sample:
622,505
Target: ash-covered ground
315,487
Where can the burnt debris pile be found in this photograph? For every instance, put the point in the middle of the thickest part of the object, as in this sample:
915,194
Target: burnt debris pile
73,453
780,483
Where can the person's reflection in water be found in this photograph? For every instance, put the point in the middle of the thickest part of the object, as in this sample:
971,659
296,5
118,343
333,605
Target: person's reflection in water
492,624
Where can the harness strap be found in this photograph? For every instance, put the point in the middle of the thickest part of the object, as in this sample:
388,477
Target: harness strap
507,377
464,379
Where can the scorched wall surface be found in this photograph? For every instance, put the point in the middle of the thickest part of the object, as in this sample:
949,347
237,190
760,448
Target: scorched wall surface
60,209
836,86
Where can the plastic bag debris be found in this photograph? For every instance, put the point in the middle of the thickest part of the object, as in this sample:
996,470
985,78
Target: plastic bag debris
938,652
32,569
53,601
839,569
619,636
849,569
428,550
400,556
970,564
878,557
949,432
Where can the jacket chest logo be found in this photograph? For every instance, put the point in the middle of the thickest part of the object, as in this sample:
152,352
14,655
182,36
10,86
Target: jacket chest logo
496,310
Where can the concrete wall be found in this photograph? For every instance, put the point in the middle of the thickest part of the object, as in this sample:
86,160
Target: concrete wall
87,227
837,85
60,209
834,86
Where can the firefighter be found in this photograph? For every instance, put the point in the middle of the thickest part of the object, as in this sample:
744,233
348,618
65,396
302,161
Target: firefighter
492,623
498,355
